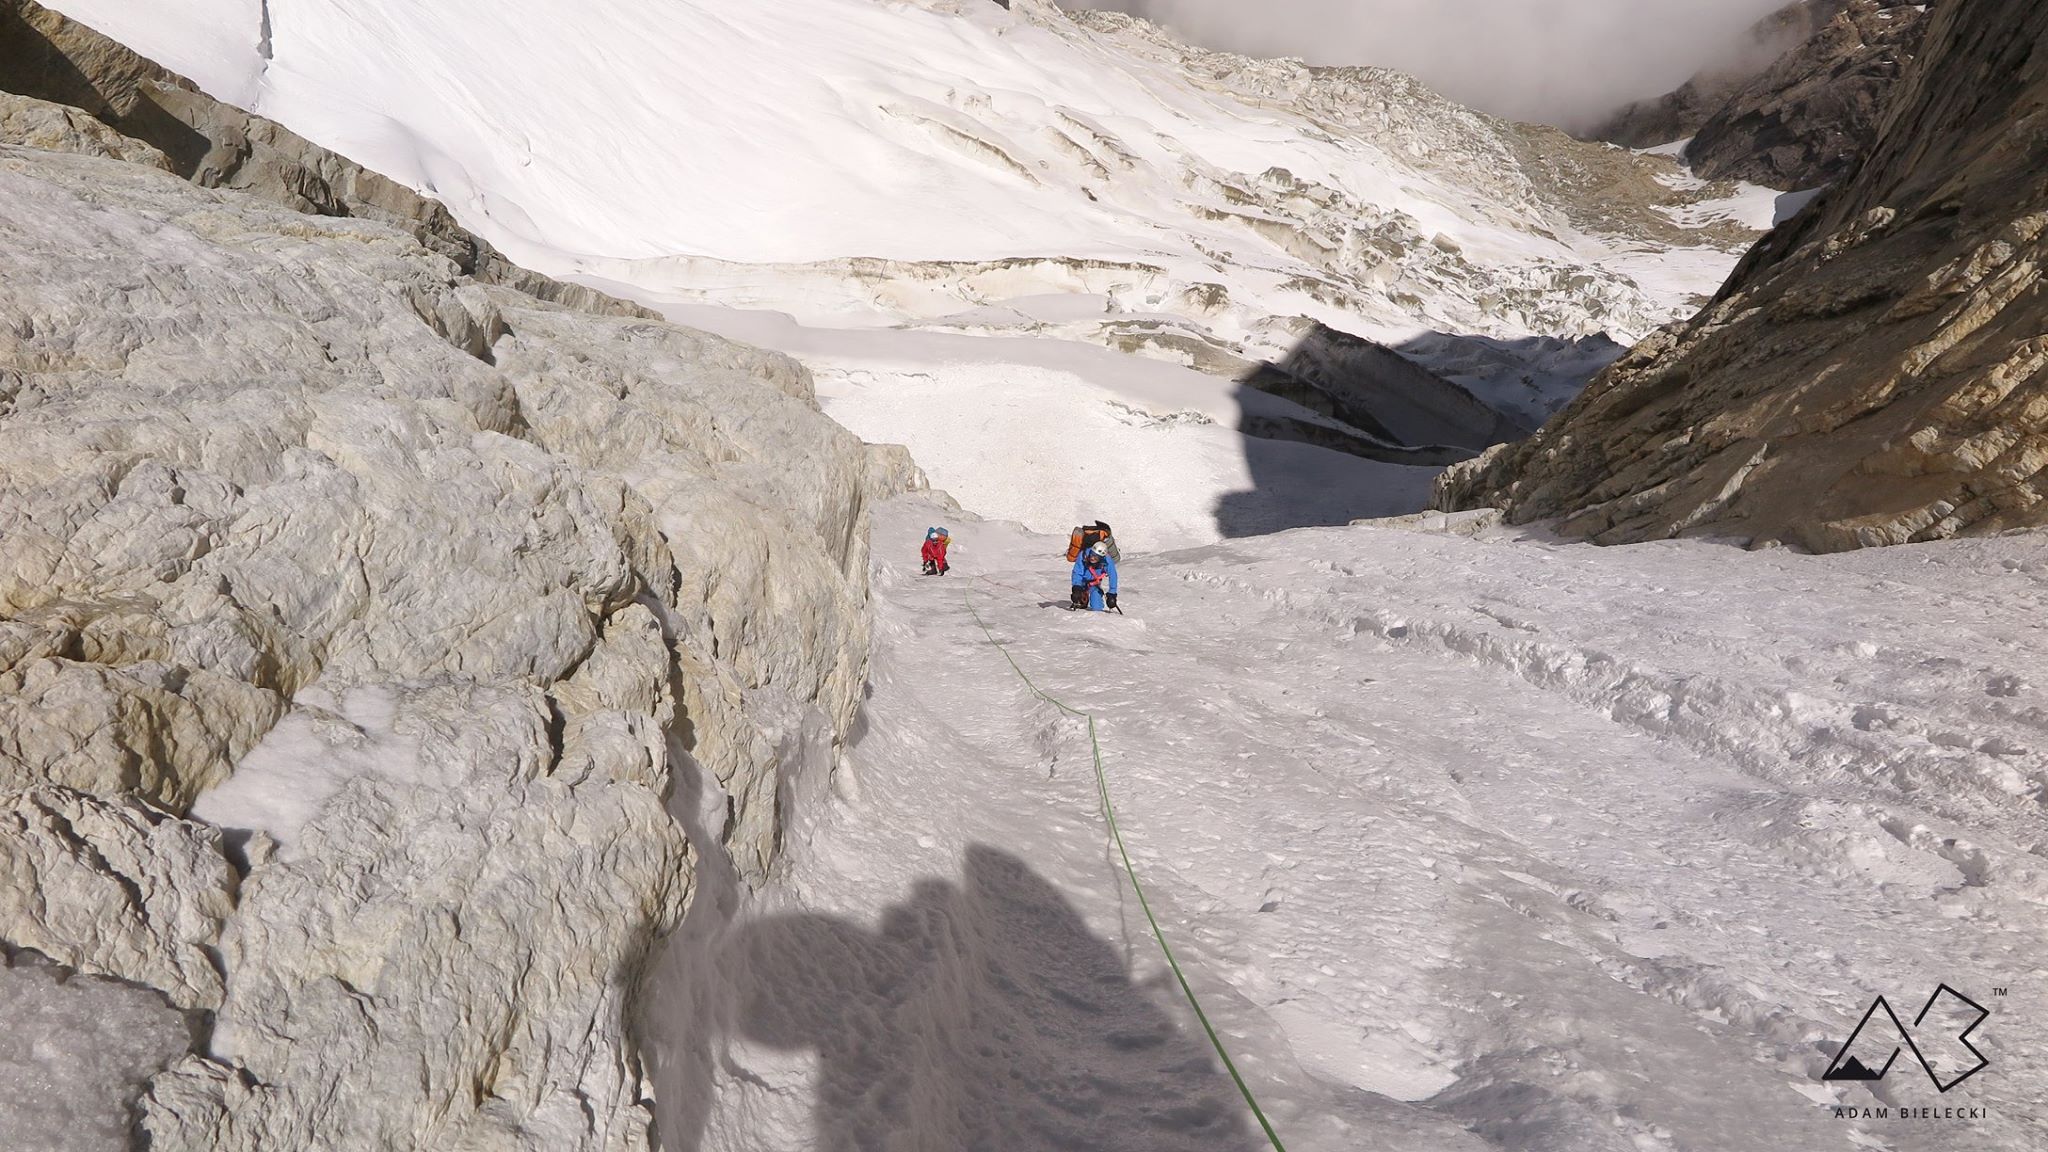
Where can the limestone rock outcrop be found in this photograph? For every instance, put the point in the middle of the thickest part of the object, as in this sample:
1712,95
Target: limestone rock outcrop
112,886
359,616
1875,372
52,127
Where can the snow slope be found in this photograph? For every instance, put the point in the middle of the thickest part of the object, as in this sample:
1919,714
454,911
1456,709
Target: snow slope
983,170
1051,432
1467,843
820,129
75,1050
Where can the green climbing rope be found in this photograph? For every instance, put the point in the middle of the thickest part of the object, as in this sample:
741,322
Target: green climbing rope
1116,835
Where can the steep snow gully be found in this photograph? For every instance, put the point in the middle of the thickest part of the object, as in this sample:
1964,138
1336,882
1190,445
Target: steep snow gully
1467,839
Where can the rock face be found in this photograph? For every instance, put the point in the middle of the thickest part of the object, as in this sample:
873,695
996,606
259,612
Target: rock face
35,123
1874,373
1810,116
1680,113
1800,103
359,615
112,886
53,58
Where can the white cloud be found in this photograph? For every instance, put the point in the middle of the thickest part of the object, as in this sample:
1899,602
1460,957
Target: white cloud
1558,61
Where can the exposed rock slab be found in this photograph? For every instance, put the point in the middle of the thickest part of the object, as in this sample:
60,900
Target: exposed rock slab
59,128
254,461
113,887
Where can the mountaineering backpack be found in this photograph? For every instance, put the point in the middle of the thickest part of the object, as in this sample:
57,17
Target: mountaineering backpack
1084,538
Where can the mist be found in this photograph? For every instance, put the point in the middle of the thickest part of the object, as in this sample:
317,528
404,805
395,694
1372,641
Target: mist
1563,62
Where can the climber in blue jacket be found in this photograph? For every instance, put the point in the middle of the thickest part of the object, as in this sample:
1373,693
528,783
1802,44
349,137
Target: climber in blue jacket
1095,578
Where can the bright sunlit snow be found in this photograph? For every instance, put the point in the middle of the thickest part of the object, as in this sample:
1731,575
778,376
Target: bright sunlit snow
1467,843
797,131
306,758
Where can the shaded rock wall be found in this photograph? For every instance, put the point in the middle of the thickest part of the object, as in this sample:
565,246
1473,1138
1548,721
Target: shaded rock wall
1680,113
1812,114
1800,103
1409,414
1875,372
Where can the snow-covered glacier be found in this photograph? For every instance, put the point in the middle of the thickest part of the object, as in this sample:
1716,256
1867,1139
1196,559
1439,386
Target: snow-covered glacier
801,173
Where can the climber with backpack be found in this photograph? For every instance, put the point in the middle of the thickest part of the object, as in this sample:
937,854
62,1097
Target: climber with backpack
1095,579
1085,537
936,541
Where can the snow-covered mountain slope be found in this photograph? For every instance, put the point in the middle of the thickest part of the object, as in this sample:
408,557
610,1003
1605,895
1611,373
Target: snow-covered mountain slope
1466,843
978,170
821,130
461,704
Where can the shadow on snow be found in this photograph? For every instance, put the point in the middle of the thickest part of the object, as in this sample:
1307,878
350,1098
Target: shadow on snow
1343,428
978,1014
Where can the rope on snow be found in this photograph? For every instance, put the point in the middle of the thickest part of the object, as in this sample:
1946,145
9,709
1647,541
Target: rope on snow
1116,834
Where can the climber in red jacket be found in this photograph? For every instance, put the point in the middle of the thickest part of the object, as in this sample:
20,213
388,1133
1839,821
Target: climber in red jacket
935,542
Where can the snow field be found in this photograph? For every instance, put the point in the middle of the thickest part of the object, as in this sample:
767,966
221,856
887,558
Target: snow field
747,156
306,758
892,174
1465,843
605,149
75,1051
1043,432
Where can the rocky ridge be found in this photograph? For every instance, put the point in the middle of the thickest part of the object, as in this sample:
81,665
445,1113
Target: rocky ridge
369,631
1798,106
1680,113
1813,113
1873,374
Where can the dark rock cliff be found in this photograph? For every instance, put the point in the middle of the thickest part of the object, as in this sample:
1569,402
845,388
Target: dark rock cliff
1875,372
1799,104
